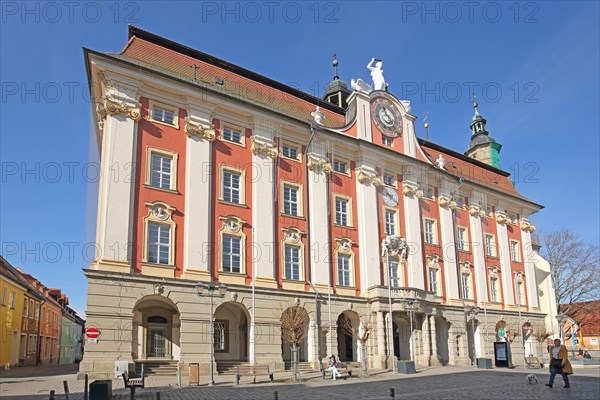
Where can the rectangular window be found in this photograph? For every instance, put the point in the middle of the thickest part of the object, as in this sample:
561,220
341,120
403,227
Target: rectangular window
460,202
160,170
292,262
31,308
388,179
387,141
220,335
394,273
4,296
290,152
514,251
159,243
511,217
231,187
25,308
13,298
490,247
232,254
341,211
390,222
520,293
494,290
461,239
428,192
162,115
340,166
344,270
433,280
466,286
232,135
290,200
429,231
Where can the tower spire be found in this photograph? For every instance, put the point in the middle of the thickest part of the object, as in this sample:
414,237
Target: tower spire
337,91
335,65
482,147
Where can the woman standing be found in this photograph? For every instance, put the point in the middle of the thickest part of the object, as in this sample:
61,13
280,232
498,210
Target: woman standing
559,364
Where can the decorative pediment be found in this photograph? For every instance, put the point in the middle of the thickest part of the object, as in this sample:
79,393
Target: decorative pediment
264,147
198,129
519,275
433,261
368,176
394,245
316,162
411,189
159,211
232,224
344,244
493,271
465,266
292,234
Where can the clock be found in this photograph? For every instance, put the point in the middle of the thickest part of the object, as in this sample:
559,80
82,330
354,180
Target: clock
390,197
386,116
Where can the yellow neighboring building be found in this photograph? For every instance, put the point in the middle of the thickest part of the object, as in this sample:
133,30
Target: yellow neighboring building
12,293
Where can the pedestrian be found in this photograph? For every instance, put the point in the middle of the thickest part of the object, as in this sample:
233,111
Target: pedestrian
332,368
587,355
559,363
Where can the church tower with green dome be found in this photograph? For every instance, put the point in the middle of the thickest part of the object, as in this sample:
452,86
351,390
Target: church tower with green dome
483,147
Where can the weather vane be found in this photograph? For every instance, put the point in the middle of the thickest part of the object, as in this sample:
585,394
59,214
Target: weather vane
426,125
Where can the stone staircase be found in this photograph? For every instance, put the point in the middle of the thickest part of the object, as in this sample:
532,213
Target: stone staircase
302,366
156,367
229,367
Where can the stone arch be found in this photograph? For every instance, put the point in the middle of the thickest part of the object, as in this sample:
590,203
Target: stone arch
347,346
156,329
231,326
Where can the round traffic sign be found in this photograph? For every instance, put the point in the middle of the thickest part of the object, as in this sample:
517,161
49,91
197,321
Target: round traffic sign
92,333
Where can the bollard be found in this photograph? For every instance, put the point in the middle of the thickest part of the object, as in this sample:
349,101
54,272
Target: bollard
51,395
85,388
66,386
157,395
275,395
392,393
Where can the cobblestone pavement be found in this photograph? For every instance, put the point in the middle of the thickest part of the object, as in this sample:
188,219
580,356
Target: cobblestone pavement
433,383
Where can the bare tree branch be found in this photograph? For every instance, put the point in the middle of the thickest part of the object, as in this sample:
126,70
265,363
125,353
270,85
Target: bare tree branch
351,325
573,267
294,321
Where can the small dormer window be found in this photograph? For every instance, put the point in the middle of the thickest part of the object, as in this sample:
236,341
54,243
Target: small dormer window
162,115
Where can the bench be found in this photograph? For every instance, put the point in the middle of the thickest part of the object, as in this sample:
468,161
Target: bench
533,362
254,371
133,383
341,367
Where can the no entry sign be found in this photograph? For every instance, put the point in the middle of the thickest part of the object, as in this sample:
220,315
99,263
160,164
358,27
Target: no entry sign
92,333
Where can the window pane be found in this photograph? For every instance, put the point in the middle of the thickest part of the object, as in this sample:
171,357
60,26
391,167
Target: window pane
232,135
341,212
159,243
160,171
292,262
231,187
344,270
232,254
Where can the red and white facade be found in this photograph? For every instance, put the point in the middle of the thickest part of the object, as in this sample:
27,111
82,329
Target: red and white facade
216,173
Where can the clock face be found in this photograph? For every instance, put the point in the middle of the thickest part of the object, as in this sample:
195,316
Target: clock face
390,197
386,116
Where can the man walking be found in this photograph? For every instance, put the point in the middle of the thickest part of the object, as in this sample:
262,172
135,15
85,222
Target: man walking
559,364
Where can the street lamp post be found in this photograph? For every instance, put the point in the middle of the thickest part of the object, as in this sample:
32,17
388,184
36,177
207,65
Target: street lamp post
211,290
472,312
411,306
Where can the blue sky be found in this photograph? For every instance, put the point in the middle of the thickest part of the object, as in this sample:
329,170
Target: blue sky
533,65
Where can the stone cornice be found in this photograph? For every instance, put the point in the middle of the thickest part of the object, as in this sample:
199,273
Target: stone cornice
368,176
316,162
411,189
198,129
263,147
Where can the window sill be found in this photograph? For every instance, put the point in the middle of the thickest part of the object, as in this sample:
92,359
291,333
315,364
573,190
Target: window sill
240,144
291,159
241,205
174,125
492,256
292,216
157,265
342,173
147,186
343,226
432,244
238,274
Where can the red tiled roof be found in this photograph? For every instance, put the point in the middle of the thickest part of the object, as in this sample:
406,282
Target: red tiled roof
237,82
586,315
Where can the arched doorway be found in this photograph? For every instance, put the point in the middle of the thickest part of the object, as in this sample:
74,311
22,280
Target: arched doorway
402,335
473,340
347,322
442,328
156,327
294,329
231,332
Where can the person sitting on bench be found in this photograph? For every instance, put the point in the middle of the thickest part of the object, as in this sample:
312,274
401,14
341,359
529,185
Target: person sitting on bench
332,368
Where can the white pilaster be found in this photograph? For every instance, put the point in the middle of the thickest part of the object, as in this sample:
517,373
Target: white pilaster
363,114
380,334
198,183
528,258
318,170
447,242
504,247
477,248
366,193
412,216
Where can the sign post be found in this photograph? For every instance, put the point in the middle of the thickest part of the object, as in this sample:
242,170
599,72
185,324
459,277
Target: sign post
92,334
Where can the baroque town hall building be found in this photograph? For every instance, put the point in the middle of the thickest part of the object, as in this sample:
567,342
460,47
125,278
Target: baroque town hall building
293,201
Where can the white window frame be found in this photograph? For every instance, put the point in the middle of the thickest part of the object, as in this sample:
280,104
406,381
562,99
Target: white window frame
12,299
299,198
231,255
337,162
430,195
515,251
173,175
389,182
220,335
466,285
242,184
393,223
396,279
233,227
490,245
462,243
159,246
291,264
433,232
434,285
231,131
347,269
348,201
290,146
494,289
163,107
166,221
344,249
